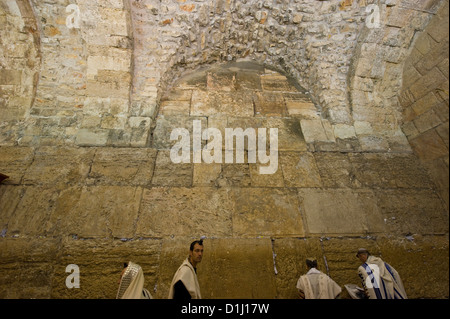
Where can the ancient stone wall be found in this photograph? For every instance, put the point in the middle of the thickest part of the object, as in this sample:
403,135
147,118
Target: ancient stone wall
100,83
90,92
425,99
19,61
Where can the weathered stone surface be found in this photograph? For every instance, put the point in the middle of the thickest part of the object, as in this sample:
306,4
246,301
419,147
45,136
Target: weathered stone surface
340,212
59,166
412,212
177,211
26,270
32,212
10,197
206,174
167,173
335,170
316,130
175,108
14,161
92,137
222,103
429,146
290,136
266,212
235,175
122,166
298,104
166,124
371,170
99,276
223,258
276,83
269,180
299,170
96,212
270,104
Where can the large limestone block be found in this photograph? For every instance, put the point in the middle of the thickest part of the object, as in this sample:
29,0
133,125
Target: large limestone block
276,83
247,261
270,104
266,180
96,212
429,146
340,212
166,124
300,169
290,136
408,172
222,103
100,262
10,196
317,130
179,211
335,170
412,211
92,137
372,170
221,80
167,173
122,166
32,213
206,175
299,104
59,166
27,267
248,81
14,161
266,212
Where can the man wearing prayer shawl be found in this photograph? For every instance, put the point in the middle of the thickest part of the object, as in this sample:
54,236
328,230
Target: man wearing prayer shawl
379,279
131,283
185,283
317,285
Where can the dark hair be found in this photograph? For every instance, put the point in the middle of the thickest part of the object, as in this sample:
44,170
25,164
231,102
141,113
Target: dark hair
200,242
311,263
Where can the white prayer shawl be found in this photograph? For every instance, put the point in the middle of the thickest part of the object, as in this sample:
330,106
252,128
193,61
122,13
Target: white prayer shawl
380,280
132,284
188,276
317,285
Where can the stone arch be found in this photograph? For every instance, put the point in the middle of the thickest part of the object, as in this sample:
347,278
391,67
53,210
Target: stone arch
235,93
376,74
424,98
302,39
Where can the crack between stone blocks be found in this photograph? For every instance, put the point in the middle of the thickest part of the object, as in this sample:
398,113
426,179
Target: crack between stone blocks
324,256
274,256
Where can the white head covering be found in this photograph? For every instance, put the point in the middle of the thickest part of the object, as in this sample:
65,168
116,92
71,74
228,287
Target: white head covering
132,283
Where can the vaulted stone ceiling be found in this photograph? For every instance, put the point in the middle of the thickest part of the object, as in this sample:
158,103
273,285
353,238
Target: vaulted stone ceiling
110,61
